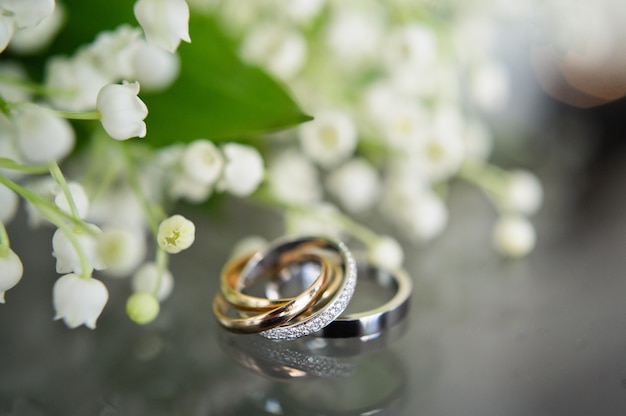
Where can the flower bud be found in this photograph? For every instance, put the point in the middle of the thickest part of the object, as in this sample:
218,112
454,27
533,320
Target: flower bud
387,253
11,271
176,233
79,301
122,112
142,308
514,236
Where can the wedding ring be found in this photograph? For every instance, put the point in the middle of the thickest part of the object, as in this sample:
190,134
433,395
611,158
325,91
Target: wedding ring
323,312
374,321
275,313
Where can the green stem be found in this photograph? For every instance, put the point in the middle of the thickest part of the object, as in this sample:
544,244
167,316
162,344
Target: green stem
84,115
489,178
43,204
6,163
352,227
31,86
161,261
4,241
56,173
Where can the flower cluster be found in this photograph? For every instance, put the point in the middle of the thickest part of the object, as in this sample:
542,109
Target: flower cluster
400,107
392,126
100,81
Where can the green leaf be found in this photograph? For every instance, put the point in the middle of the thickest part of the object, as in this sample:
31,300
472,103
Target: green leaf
217,96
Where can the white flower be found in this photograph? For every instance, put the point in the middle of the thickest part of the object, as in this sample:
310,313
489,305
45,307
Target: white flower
41,135
7,28
79,301
34,39
44,187
387,253
354,37
79,196
113,52
413,207
11,271
303,11
280,51
413,46
154,68
119,208
165,22
66,255
329,139
78,81
514,236
244,169
121,250
440,151
146,279
122,112
9,202
477,140
489,86
27,13
248,244
402,123
202,161
18,15
182,186
176,233
523,193
355,184
294,179
14,92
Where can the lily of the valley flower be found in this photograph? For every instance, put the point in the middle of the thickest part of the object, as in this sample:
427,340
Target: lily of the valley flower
122,112
202,161
146,279
11,271
329,139
79,197
243,171
121,250
514,236
21,14
9,202
79,301
41,135
165,22
176,233
386,252
68,259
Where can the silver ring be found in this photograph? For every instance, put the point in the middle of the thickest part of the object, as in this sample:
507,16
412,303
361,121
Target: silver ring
335,306
374,321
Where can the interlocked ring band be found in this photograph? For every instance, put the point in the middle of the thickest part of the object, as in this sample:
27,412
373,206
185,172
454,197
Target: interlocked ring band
372,321
275,313
324,311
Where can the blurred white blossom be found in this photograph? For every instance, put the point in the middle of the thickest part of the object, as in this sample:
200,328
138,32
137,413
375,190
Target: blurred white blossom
294,179
36,38
243,171
148,277
329,139
514,236
387,253
122,250
523,193
68,259
79,198
356,184
9,202
202,162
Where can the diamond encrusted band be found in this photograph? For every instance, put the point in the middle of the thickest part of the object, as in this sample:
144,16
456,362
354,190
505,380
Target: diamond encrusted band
269,317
